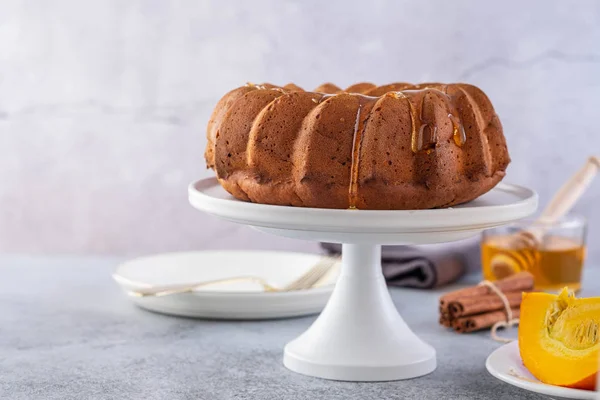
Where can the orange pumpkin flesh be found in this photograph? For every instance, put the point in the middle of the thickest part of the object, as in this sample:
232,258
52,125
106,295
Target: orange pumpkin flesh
559,338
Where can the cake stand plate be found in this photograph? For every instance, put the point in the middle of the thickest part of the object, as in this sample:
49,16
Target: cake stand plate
360,336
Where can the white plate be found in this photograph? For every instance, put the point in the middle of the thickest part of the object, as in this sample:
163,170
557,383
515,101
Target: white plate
505,364
503,204
231,300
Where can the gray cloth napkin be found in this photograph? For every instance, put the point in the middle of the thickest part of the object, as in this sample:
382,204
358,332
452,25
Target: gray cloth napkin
425,266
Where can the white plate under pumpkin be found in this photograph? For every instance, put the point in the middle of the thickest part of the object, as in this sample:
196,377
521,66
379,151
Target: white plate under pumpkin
505,363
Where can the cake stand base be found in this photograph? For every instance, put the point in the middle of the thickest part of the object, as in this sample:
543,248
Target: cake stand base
360,336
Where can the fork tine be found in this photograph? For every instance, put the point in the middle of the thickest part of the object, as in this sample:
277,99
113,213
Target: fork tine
302,281
315,276
312,276
298,282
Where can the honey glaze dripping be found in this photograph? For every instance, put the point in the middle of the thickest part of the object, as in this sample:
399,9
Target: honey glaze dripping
359,127
420,141
423,139
356,139
413,120
459,135
427,142
414,139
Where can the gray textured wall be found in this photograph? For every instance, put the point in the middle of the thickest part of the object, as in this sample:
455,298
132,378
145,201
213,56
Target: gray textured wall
103,104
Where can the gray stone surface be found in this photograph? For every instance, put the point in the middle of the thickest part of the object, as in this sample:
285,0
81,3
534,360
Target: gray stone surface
104,104
67,332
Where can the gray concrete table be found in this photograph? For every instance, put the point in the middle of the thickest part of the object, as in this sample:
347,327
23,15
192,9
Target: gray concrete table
67,332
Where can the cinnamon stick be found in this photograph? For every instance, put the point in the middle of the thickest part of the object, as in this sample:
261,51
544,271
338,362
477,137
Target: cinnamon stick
445,319
465,306
445,322
481,321
521,281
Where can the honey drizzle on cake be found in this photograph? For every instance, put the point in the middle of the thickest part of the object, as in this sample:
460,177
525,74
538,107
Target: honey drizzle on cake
458,130
426,143
416,140
357,138
353,189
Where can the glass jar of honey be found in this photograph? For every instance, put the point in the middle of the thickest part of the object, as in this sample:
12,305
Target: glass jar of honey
553,252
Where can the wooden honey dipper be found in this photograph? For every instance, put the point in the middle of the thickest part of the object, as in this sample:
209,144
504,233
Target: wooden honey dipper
528,240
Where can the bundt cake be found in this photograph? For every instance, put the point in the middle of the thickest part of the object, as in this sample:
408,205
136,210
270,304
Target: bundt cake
397,146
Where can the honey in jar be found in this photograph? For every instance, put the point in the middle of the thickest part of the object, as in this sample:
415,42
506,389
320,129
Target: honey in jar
555,261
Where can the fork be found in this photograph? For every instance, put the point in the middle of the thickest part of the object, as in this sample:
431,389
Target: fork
306,281
312,276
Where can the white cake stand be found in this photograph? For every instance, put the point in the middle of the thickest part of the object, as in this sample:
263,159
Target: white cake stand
360,336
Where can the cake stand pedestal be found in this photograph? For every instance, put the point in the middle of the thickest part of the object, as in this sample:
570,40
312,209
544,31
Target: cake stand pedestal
360,336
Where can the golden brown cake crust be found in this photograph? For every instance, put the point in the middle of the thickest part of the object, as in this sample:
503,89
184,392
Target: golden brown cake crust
397,146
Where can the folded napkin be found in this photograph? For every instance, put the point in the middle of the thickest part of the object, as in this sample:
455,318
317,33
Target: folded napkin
424,266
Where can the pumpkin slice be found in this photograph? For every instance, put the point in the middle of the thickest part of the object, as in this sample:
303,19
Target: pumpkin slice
559,338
